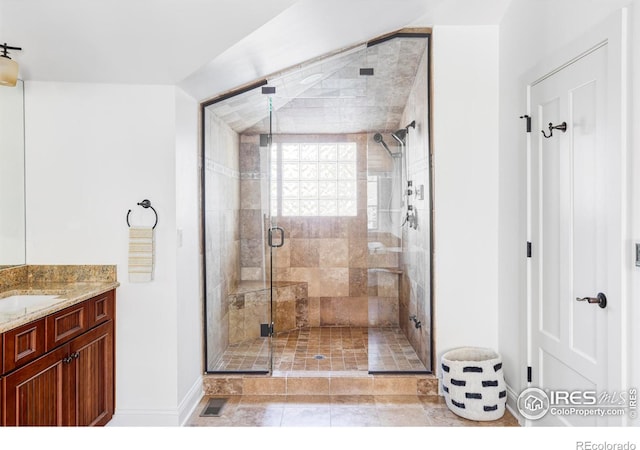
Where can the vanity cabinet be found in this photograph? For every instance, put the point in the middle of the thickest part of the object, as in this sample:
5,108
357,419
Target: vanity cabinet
72,383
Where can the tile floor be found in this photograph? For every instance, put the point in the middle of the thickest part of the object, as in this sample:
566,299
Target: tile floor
336,352
321,349
337,411
325,349
390,351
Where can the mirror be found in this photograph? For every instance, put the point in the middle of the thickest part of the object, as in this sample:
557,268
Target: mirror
12,176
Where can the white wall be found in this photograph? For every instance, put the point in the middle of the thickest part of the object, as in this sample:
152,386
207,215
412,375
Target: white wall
189,259
12,212
465,119
94,151
531,32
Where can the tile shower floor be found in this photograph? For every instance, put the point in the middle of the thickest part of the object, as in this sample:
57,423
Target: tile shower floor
325,349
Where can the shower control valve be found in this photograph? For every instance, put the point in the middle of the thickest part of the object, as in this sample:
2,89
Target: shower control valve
410,186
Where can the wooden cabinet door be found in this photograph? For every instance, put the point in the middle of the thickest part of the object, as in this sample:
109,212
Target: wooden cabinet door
23,344
67,324
35,395
102,308
92,377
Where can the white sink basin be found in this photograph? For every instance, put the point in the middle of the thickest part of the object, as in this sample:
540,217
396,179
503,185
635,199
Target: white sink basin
17,305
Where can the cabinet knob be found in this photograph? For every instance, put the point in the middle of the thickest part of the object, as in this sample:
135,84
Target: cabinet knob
71,357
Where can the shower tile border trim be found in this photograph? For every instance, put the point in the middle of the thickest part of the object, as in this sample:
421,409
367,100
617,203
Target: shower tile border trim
311,383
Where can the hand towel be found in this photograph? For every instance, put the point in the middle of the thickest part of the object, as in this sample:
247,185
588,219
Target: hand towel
141,254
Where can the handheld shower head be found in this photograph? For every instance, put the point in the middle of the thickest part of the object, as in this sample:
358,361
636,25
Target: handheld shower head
378,138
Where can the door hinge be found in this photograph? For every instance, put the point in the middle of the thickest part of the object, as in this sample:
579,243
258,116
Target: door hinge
266,329
529,374
528,122
529,250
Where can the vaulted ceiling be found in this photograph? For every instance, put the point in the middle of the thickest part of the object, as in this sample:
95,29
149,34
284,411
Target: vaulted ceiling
330,95
206,46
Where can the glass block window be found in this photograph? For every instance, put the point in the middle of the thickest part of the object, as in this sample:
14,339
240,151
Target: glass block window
372,202
314,179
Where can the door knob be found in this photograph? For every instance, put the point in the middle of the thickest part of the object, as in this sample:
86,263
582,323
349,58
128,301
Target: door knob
600,300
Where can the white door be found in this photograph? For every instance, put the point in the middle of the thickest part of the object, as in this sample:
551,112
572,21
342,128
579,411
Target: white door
575,229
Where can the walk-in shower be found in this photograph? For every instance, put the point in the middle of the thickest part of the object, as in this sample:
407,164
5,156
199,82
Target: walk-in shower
309,263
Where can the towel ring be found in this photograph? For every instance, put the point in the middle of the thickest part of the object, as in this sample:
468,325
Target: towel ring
145,204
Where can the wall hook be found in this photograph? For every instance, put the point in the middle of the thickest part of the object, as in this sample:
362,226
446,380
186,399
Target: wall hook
562,127
145,204
528,117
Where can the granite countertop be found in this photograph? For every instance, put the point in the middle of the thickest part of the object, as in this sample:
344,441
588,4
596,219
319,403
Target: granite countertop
68,292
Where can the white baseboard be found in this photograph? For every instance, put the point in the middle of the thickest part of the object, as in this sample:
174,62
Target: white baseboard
512,405
158,417
190,401
144,418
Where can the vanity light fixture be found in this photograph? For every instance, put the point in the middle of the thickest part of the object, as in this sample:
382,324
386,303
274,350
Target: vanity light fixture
8,67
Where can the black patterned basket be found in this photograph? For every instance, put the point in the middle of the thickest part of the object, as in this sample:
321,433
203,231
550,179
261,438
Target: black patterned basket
473,383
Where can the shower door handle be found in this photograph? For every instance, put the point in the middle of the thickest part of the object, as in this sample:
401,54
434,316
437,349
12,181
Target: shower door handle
270,237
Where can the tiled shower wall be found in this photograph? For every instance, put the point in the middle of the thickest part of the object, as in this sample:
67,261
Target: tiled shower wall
384,280
222,250
384,237
330,254
415,289
254,203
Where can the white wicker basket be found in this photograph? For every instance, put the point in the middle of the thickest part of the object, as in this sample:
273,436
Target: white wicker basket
473,383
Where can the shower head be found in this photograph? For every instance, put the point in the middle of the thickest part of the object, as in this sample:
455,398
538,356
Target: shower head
400,135
378,138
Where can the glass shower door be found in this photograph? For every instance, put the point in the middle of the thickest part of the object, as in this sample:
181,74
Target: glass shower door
275,233
237,259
